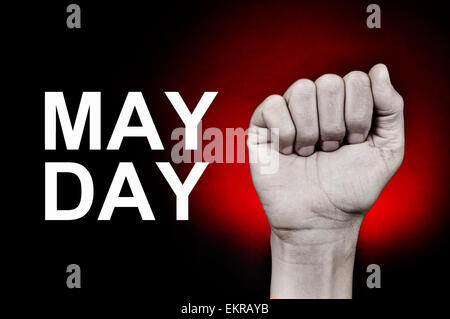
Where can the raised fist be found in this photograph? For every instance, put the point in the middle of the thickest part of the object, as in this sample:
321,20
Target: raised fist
339,141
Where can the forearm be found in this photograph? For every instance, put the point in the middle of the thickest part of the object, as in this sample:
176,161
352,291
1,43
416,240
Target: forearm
314,270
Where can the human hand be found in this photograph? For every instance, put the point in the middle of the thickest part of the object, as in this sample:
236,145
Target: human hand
339,143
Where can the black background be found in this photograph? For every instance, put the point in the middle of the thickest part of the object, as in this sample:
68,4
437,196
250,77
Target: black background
156,265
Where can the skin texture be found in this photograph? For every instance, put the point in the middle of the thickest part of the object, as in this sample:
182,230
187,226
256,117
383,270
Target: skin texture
339,142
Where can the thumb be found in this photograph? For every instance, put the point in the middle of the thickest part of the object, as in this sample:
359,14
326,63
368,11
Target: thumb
388,132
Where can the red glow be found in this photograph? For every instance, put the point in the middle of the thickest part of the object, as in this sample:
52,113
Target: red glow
258,50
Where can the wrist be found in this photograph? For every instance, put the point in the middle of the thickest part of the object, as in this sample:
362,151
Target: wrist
313,263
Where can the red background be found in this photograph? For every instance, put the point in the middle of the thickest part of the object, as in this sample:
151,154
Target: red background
248,52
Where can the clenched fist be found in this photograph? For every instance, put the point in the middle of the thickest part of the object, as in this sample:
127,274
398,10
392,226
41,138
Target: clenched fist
338,142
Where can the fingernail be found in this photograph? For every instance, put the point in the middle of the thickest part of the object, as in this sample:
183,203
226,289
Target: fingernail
355,138
329,146
306,150
287,150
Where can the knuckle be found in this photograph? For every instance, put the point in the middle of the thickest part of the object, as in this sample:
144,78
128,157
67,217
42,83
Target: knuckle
398,102
389,98
378,70
273,100
273,103
270,106
302,86
358,78
330,82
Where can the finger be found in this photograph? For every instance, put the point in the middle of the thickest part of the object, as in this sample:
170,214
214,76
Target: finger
273,113
301,98
388,126
358,106
330,104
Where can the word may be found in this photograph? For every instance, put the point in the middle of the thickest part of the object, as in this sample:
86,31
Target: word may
90,104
